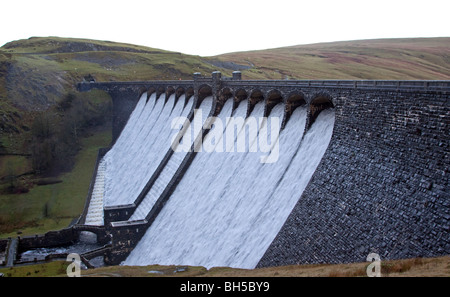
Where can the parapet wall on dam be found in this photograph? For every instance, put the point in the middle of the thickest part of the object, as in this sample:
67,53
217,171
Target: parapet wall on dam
382,184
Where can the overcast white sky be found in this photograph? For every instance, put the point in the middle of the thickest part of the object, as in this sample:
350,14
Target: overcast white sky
208,27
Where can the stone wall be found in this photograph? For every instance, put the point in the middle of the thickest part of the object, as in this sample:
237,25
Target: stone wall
3,245
382,185
50,239
117,213
3,252
124,101
124,237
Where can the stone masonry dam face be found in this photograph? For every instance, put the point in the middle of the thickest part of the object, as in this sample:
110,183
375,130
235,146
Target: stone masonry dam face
362,167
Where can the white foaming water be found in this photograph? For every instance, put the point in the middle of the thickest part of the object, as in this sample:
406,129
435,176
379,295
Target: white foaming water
229,207
215,136
173,164
121,157
140,148
94,215
126,133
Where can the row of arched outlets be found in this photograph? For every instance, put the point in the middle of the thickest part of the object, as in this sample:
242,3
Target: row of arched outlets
317,101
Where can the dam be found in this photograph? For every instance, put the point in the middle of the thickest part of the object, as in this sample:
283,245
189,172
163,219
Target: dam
278,172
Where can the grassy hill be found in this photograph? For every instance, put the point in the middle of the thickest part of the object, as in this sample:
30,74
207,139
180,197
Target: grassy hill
402,59
37,72
37,95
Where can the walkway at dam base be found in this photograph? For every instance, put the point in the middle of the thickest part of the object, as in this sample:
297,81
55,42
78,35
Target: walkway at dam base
380,185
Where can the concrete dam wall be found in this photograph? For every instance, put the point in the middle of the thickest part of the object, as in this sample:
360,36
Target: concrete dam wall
382,185
362,167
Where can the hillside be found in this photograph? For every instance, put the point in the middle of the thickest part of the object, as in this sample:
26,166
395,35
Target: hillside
36,71
36,74
402,59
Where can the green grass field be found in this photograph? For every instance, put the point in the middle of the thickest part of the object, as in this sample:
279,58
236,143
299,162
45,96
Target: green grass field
54,206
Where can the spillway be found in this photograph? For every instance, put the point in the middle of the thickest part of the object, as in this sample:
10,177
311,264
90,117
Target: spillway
94,215
381,181
230,203
174,162
140,148
229,206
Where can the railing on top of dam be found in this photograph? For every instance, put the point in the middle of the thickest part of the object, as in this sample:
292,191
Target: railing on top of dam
432,85
428,85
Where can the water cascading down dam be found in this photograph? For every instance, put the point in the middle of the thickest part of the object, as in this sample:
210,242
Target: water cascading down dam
226,172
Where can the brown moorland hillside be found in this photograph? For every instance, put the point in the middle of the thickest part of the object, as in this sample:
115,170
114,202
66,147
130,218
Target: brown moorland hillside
399,59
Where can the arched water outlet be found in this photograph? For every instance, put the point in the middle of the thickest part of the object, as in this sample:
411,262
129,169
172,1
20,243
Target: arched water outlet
294,100
255,97
318,103
203,92
273,98
239,96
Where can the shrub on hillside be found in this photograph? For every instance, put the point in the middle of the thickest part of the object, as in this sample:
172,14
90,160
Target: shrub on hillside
55,133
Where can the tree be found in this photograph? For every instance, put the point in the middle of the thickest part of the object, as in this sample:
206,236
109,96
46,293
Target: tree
55,133
43,142
11,177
